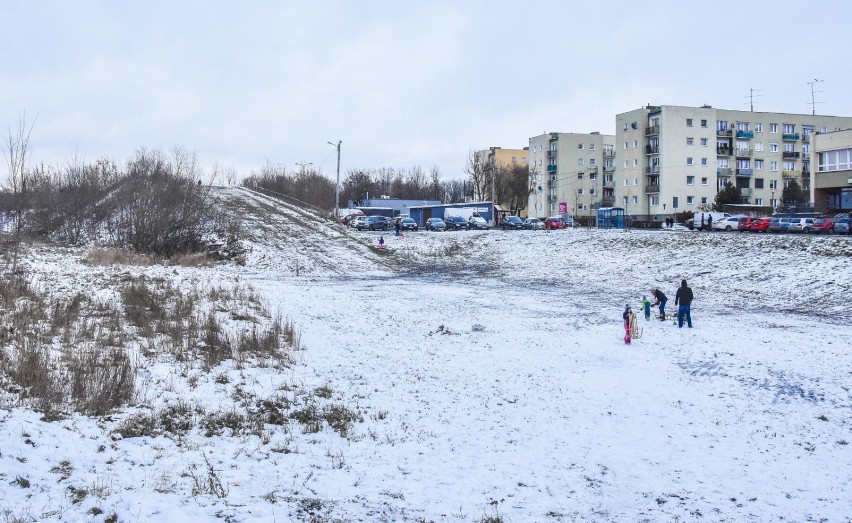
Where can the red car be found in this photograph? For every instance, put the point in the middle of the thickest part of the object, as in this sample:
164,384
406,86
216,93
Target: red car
745,223
349,217
760,224
554,222
824,225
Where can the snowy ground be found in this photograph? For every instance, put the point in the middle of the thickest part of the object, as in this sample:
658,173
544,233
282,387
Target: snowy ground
493,381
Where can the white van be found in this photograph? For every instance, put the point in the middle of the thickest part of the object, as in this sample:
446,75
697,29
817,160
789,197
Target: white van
703,220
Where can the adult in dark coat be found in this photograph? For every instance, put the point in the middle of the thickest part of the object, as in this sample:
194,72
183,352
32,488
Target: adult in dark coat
661,300
683,299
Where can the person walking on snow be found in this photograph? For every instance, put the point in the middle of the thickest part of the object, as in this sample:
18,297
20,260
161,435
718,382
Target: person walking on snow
661,301
646,307
627,318
683,299
381,242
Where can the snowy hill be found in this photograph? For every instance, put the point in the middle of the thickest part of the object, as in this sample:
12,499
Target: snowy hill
483,377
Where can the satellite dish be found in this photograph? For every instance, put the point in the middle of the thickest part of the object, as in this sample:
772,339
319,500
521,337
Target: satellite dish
540,189
633,125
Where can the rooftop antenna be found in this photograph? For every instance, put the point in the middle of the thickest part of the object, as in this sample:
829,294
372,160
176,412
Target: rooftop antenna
813,101
752,93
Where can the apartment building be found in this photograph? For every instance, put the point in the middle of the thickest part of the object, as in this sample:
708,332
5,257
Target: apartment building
497,156
571,173
831,190
672,159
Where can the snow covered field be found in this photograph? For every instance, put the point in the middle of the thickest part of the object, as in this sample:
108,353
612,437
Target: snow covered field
493,382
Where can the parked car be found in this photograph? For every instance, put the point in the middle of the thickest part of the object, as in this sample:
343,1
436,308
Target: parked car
744,223
804,225
407,224
778,224
374,223
726,224
841,226
435,224
511,222
823,225
351,216
358,222
703,220
569,221
456,223
554,222
533,224
761,224
477,222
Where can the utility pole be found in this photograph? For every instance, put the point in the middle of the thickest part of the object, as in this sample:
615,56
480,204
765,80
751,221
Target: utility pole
814,102
337,184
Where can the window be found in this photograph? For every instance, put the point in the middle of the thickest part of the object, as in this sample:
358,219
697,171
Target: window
579,161
580,190
722,125
758,146
591,147
635,143
626,183
789,166
579,176
835,160
690,200
635,181
758,165
773,166
635,200
704,162
773,128
689,160
723,163
624,201
758,183
690,180
742,145
773,147
704,142
704,123
625,145
789,128
654,201
592,191
703,199
579,146
635,162
758,201
758,127
773,184
689,122
742,126
704,181
689,141
625,164
591,161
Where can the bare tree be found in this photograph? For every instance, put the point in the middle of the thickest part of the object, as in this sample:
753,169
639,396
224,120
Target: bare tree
17,150
479,175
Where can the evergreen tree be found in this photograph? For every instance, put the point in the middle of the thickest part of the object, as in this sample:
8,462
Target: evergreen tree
728,194
793,194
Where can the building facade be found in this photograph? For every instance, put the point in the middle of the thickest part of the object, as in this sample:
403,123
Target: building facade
831,190
498,156
673,159
571,173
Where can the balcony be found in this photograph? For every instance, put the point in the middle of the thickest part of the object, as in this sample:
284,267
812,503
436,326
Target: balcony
608,201
745,172
790,174
551,184
790,154
609,153
746,191
609,184
724,171
652,149
723,151
609,168
790,136
652,130
744,153
551,168
551,154
652,189
806,138
745,134
723,132
652,170
552,198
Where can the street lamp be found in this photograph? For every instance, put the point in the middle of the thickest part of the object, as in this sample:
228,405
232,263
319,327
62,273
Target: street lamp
303,165
337,184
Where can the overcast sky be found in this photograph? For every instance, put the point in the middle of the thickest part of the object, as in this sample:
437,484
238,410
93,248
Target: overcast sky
399,83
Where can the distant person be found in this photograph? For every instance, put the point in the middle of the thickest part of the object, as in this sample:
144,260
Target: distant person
397,226
381,242
628,317
646,307
661,300
683,299
709,222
